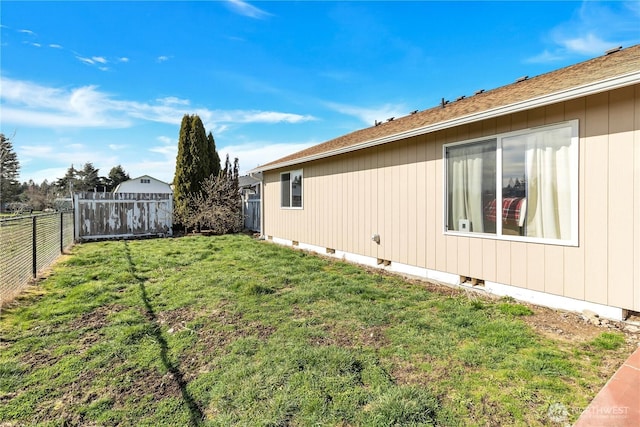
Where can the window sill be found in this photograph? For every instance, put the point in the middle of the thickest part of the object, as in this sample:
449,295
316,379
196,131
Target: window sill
520,239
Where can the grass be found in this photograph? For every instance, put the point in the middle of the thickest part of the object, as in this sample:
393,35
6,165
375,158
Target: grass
231,331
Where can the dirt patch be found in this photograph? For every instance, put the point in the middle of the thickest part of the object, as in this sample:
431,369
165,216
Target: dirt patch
95,319
406,372
176,320
89,324
578,328
215,336
342,336
144,383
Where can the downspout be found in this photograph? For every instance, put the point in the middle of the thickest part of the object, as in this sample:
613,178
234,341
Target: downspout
262,233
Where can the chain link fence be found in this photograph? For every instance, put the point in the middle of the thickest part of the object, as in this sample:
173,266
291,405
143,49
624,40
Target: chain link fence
28,245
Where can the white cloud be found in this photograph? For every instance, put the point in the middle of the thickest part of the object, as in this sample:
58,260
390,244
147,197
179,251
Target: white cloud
29,32
546,56
117,147
85,60
254,116
55,46
594,28
123,59
28,103
68,154
169,151
166,140
250,155
245,9
589,44
172,100
255,154
99,59
31,104
370,115
162,58
36,45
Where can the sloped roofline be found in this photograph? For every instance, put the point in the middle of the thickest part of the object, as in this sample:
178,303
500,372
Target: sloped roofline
562,95
115,190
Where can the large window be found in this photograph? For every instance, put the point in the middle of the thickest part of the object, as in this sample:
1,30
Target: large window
291,189
520,185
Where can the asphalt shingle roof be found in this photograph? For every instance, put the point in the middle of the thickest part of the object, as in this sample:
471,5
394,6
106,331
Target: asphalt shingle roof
618,63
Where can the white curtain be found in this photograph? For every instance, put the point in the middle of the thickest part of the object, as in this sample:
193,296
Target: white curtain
466,169
548,171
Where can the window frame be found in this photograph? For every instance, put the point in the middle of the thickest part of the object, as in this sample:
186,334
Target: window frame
291,173
574,151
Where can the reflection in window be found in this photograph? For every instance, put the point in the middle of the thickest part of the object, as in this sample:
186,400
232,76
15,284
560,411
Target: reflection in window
535,194
471,172
537,173
291,189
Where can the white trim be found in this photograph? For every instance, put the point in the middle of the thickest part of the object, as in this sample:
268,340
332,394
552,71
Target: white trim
540,101
291,173
575,151
553,301
492,288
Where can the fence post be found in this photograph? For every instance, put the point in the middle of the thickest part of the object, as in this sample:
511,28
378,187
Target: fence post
34,252
61,232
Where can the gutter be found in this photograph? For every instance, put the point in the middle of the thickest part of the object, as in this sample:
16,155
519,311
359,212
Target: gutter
540,101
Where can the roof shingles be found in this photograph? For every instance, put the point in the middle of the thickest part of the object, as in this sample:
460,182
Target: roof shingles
603,67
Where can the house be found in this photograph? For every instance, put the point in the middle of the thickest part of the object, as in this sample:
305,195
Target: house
144,184
530,190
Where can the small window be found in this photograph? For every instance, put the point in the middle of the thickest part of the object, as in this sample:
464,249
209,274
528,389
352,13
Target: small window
145,181
517,186
291,189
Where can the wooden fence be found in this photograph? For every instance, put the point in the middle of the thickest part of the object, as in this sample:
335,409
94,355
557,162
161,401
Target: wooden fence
122,215
251,212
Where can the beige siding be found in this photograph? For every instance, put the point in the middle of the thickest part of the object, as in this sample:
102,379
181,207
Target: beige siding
574,257
595,194
396,191
432,200
620,191
636,198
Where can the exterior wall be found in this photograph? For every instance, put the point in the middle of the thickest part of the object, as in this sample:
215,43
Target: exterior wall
135,186
396,191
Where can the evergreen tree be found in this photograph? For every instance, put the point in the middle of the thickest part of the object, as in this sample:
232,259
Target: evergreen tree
9,171
116,176
89,179
201,151
193,165
213,156
67,184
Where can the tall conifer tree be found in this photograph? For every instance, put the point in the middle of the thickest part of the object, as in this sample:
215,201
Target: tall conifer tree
9,171
214,156
193,162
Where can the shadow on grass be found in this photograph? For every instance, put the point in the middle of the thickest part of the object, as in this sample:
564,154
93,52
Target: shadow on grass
195,412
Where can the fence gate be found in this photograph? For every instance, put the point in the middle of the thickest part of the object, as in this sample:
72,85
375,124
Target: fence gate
122,215
251,212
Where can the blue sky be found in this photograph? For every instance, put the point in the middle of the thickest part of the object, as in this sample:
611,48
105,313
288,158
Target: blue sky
109,82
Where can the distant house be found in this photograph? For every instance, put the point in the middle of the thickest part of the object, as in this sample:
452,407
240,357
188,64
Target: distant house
530,190
141,206
144,184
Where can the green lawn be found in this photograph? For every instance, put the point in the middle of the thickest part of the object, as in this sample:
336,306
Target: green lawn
232,331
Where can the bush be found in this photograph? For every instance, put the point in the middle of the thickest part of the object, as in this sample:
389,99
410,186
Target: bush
217,206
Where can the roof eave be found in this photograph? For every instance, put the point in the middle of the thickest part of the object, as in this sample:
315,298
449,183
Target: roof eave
541,101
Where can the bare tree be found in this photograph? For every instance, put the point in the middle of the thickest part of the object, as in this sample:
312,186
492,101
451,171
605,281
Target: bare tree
217,206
